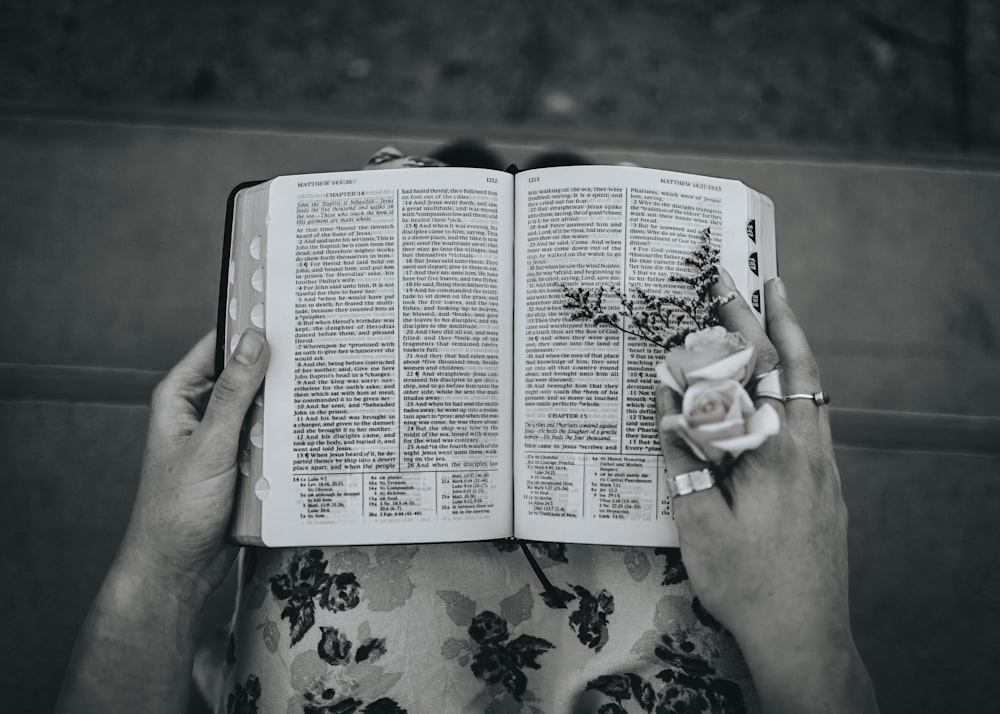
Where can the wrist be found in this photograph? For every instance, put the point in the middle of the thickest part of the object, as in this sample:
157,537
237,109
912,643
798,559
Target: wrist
826,676
152,581
135,647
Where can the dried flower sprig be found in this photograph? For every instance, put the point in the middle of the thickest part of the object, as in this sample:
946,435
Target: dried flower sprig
664,321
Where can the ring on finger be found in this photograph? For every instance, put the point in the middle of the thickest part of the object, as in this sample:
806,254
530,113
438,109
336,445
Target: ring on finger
769,384
690,482
821,398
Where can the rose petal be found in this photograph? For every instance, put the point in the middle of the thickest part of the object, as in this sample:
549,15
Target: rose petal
721,426
711,408
703,440
728,391
706,336
738,408
677,371
765,421
678,424
671,422
666,376
761,425
736,366
685,433
730,388
704,450
739,444
746,404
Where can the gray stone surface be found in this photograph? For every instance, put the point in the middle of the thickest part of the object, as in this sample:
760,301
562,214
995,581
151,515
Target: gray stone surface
923,537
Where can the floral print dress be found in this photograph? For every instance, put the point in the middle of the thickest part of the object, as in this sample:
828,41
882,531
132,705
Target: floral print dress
469,627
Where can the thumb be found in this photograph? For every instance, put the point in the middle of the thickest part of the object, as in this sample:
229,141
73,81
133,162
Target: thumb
233,392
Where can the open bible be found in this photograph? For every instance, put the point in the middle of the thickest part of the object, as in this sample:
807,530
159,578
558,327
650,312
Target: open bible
426,383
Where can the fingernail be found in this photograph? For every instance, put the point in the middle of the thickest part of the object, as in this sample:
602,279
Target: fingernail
779,285
250,346
726,278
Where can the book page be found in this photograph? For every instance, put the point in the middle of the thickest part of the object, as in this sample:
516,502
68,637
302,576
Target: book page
387,400
588,467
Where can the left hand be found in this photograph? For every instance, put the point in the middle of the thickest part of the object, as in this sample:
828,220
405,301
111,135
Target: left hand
177,530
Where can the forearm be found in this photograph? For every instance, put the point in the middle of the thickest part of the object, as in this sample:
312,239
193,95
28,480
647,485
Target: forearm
831,678
136,647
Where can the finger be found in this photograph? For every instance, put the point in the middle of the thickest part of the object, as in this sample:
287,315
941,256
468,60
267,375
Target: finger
696,510
232,395
182,390
737,316
800,372
199,362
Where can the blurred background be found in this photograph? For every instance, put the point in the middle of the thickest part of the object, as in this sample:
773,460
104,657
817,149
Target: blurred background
874,126
884,75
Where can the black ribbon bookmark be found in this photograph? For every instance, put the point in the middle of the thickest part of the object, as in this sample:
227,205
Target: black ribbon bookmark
557,598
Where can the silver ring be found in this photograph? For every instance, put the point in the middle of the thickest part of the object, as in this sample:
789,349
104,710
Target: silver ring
820,398
683,484
769,384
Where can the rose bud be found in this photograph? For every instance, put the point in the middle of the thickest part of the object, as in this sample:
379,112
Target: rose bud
718,420
709,354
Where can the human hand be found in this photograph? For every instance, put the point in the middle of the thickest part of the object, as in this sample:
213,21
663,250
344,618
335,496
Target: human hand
766,550
136,647
176,534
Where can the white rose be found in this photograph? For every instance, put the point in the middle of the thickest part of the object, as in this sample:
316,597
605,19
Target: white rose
710,354
718,420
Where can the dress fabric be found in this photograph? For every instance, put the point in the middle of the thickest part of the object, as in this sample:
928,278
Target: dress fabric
469,627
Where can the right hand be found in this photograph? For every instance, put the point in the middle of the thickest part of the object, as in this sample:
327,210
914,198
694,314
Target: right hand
766,550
